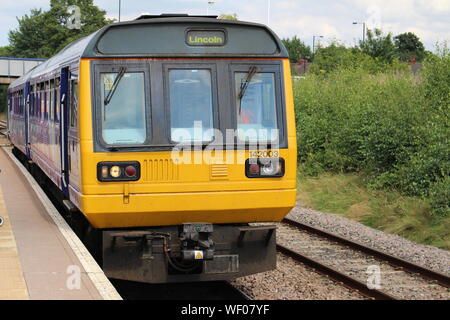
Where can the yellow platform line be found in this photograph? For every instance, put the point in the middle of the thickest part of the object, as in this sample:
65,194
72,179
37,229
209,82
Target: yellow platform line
12,282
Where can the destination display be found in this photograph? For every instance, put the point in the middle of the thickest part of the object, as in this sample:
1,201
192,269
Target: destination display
205,38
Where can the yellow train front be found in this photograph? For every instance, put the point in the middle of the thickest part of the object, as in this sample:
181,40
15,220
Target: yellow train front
181,138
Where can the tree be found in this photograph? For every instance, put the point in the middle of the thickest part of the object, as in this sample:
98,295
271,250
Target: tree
337,56
232,16
409,45
5,51
3,98
378,46
297,49
41,34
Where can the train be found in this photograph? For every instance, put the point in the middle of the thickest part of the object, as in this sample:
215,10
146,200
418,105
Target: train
172,138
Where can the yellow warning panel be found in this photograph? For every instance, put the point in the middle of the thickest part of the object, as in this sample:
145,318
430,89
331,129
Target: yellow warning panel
198,255
12,282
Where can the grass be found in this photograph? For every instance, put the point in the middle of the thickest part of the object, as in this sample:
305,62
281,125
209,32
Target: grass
347,195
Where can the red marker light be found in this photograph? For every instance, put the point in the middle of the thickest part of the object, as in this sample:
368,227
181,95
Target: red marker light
130,171
253,169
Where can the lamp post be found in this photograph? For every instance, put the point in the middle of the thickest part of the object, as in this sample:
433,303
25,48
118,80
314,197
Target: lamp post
364,29
210,3
314,44
120,5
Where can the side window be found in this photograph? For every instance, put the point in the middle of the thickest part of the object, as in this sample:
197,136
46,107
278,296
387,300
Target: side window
21,102
191,105
18,103
9,101
31,107
58,99
51,105
42,111
38,102
47,99
73,103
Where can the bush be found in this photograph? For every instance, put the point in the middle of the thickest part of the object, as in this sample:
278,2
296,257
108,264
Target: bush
337,56
389,125
3,98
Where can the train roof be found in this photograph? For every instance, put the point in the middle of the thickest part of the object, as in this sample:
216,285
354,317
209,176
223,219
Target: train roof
168,36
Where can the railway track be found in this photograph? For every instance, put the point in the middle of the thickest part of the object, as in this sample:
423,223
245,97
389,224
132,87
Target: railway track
3,127
4,142
347,262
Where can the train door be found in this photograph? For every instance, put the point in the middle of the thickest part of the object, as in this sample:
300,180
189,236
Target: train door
64,113
27,97
8,112
73,149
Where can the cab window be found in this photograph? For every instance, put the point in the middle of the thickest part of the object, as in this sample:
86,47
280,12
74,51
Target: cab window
123,111
256,106
191,105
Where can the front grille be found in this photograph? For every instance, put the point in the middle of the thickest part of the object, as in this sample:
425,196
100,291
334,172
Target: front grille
161,170
219,172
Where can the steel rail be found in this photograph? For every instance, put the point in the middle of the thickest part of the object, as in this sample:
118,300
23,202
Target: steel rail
336,275
3,127
241,295
429,274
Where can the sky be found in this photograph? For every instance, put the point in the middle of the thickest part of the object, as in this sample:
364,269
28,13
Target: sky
332,19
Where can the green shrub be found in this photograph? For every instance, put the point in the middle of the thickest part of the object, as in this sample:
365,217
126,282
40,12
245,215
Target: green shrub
337,57
3,98
439,197
390,125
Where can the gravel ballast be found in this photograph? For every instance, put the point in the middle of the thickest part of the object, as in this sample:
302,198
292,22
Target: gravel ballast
427,256
357,264
295,281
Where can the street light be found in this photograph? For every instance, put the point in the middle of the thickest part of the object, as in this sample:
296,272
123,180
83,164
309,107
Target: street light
210,3
314,44
120,5
364,29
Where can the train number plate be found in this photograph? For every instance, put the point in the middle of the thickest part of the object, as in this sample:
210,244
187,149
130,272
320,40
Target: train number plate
264,154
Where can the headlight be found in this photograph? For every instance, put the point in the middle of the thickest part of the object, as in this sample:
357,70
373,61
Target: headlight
264,168
271,168
118,171
115,171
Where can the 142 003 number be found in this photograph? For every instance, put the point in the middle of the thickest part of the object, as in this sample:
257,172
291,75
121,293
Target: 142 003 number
264,154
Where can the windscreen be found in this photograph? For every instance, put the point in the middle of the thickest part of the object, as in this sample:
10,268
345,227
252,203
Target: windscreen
123,108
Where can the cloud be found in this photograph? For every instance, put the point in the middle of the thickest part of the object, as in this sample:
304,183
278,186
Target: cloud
330,18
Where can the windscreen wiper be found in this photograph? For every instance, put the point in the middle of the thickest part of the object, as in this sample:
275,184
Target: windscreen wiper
115,85
244,85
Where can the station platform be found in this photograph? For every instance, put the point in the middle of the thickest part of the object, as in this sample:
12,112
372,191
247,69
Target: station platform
40,256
